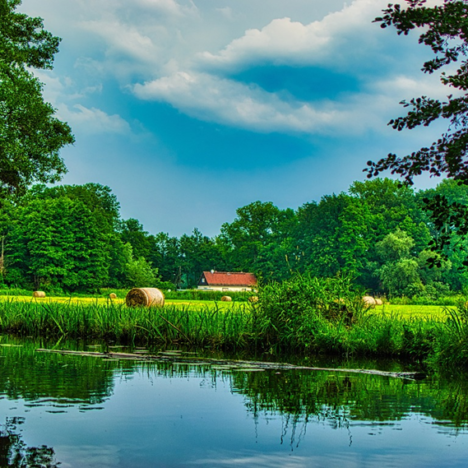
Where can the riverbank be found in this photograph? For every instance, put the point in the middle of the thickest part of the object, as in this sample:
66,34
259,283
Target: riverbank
371,334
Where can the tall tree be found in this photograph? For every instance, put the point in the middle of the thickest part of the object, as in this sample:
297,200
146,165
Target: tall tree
256,225
58,242
31,136
198,253
142,242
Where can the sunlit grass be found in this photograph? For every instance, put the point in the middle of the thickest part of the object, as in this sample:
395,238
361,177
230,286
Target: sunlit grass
104,301
412,311
400,311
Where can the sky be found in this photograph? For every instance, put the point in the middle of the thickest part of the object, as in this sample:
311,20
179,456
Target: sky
190,109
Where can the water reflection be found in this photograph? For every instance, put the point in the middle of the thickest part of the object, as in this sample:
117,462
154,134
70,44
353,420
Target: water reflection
59,382
122,413
15,453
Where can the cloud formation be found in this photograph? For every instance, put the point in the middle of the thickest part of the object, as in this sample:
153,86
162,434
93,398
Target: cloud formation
209,89
211,98
287,42
284,103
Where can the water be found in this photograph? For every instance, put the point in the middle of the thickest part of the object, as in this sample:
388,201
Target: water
70,411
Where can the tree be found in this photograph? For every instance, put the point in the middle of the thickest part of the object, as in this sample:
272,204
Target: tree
256,225
445,31
198,253
58,242
140,274
141,241
400,272
31,136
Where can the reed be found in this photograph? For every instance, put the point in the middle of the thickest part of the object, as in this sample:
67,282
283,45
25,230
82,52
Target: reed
201,326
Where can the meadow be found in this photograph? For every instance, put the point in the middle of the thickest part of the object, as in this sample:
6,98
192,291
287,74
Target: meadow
407,312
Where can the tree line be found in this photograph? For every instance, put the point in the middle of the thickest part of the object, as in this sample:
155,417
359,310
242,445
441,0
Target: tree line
71,238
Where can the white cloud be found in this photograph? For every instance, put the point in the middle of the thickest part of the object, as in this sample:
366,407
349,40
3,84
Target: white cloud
127,41
161,42
341,39
336,41
225,101
92,121
170,7
284,41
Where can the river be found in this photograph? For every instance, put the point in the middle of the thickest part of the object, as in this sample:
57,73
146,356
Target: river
79,411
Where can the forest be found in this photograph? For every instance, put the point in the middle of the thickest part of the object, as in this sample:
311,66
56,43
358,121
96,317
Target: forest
71,238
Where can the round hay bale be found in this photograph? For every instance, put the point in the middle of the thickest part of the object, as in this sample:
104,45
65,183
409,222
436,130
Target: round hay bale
253,299
369,301
113,296
226,298
145,297
39,294
378,302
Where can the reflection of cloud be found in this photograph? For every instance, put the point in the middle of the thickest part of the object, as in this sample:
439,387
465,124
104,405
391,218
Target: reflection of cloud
101,456
272,460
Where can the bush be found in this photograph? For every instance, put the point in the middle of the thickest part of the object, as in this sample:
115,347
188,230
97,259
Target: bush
296,311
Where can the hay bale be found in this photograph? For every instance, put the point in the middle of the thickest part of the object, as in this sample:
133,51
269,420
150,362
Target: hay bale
253,299
145,297
39,294
226,298
378,302
113,296
369,301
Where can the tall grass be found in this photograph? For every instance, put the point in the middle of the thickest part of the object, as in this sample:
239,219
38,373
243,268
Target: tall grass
203,326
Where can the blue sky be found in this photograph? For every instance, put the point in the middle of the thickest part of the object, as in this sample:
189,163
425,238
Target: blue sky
190,109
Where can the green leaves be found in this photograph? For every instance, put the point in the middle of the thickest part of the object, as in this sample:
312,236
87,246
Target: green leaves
445,31
30,135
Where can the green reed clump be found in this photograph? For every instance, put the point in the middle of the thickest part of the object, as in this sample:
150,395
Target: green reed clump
295,311
451,346
328,316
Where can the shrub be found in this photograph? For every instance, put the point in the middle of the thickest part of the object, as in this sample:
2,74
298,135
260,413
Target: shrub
294,311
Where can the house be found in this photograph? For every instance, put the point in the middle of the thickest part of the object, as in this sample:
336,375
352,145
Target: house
227,281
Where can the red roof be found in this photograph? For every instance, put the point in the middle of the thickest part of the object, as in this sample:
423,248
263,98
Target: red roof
219,278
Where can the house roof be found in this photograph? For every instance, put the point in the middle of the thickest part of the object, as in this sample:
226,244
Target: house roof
221,278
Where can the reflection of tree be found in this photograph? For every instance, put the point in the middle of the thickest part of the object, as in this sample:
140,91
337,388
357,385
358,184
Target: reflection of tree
298,396
339,399
31,376
15,453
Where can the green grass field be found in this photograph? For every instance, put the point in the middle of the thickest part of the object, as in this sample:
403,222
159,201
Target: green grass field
397,311
106,301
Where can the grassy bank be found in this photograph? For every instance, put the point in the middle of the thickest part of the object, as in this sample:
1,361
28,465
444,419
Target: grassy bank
303,316
237,327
